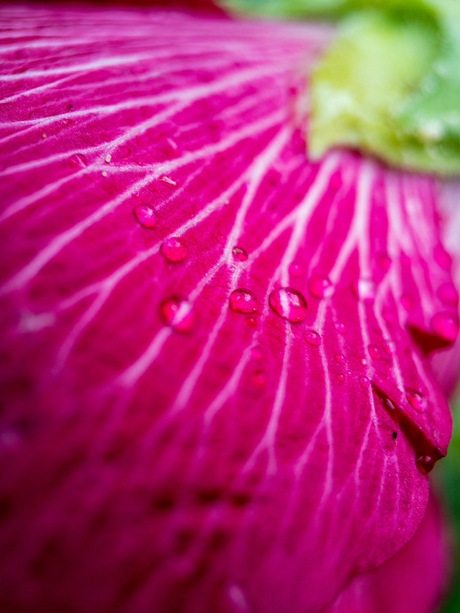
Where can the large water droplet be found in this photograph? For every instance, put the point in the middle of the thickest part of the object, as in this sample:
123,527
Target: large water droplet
174,250
313,338
447,292
425,463
320,287
445,325
340,377
416,399
389,347
145,215
178,313
289,304
243,301
364,289
239,254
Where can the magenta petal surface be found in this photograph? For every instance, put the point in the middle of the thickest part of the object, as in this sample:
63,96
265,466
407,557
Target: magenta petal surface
412,581
161,449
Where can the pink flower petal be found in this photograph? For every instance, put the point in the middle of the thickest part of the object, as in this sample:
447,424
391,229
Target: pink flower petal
159,448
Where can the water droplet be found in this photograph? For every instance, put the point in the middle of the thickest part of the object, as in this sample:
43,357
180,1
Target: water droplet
252,321
145,215
320,287
239,254
340,358
364,289
416,399
340,327
363,361
44,135
289,304
389,347
448,294
374,352
340,377
383,261
177,313
172,144
108,158
313,338
295,270
445,325
258,378
243,301
364,380
174,250
168,181
425,463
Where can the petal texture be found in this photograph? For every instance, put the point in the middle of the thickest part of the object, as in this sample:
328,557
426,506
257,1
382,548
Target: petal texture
214,374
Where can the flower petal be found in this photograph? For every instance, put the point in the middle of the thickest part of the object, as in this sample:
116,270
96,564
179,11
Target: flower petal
166,440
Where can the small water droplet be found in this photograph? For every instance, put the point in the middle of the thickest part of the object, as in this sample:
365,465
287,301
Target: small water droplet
145,215
178,314
243,301
448,294
340,327
172,144
416,399
388,404
320,287
239,254
108,158
289,304
252,321
425,463
104,173
340,358
313,338
174,250
340,377
44,135
445,325
364,289
389,347
168,181
363,361
374,352
364,381
295,270
258,378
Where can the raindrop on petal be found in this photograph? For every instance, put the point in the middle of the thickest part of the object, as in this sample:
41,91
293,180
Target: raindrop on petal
448,294
425,463
243,301
239,254
416,399
364,289
320,287
178,314
289,304
340,358
145,215
174,250
374,352
313,338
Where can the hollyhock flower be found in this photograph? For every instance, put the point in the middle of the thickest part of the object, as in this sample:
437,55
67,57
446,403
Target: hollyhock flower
216,372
